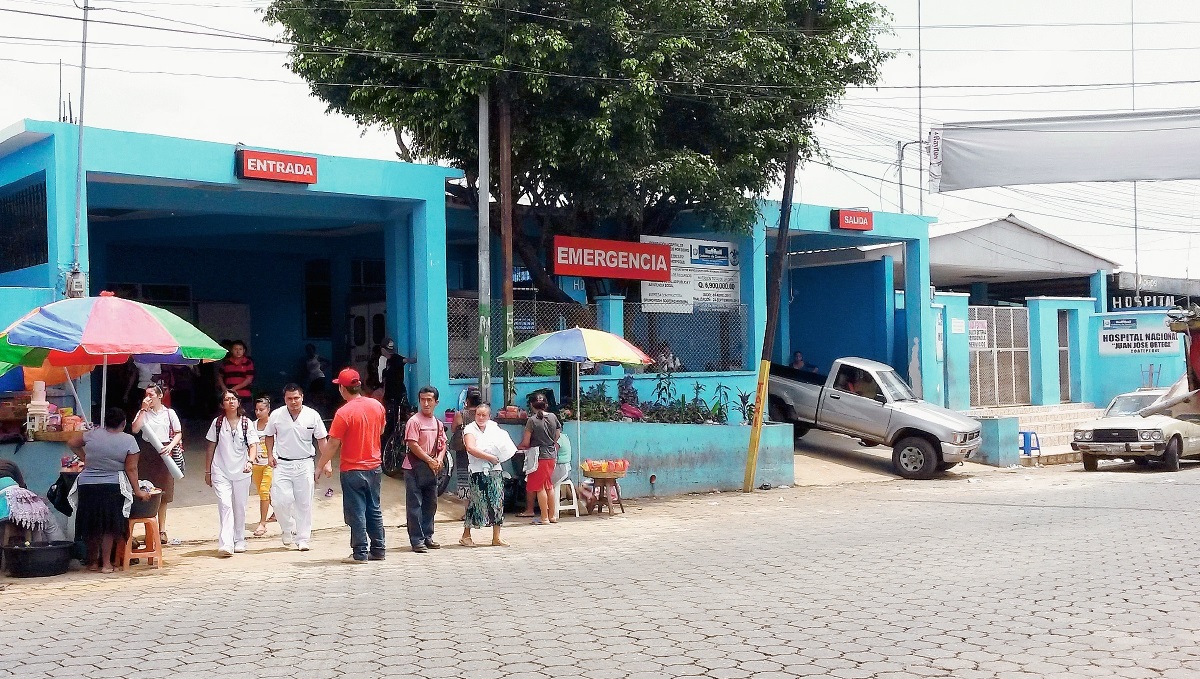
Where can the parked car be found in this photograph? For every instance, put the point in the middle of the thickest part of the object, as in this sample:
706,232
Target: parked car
1123,434
867,400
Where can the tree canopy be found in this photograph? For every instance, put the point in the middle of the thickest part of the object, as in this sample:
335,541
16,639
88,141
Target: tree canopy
625,112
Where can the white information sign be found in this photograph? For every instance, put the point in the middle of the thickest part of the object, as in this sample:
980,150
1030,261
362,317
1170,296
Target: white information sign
703,273
958,326
1128,336
977,333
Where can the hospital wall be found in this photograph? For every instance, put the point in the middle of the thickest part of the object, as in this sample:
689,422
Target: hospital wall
1108,376
843,310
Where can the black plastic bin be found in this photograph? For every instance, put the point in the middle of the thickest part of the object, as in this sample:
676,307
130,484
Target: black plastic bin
144,509
38,559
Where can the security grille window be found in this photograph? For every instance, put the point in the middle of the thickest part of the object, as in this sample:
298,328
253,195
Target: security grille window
23,223
999,359
318,300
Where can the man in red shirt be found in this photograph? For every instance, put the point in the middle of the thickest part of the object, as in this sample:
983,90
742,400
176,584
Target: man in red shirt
237,373
425,437
355,432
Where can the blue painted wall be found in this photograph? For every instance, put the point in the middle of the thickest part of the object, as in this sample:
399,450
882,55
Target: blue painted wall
1044,381
843,310
956,350
1108,376
684,458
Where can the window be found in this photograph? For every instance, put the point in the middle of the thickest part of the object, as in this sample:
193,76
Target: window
855,381
318,299
23,223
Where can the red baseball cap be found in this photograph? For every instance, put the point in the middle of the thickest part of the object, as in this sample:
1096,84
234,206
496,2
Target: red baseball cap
348,378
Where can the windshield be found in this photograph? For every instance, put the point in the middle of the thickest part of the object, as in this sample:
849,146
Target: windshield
1129,404
896,388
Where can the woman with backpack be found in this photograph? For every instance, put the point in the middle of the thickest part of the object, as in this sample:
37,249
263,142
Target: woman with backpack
232,440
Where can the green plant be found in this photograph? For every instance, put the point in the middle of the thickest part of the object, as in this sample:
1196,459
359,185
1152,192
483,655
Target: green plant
664,388
745,405
720,405
596,406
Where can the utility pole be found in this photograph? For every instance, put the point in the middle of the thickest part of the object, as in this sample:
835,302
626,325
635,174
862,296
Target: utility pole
79,174
485,253
506,240
900,146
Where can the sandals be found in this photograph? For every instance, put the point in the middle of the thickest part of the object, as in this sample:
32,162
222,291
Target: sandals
467,542
526,516
499,543
261,530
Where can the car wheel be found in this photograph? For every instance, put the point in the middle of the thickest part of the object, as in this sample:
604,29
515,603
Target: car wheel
800,430
1171,455
1141,461
1089,463
915,458
776,411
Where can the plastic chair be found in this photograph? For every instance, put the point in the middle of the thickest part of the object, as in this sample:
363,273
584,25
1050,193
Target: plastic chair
574,506
151,547
1030,443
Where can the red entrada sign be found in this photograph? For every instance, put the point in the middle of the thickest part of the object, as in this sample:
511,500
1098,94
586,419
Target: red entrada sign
276,167
596,258
853,220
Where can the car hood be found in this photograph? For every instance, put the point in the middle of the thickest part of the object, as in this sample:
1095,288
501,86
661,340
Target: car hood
935,414
1130,422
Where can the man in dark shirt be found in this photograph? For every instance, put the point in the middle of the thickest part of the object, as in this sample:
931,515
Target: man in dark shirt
237,373
395,394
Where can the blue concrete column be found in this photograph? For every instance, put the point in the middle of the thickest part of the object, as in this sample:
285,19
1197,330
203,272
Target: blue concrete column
957,366
430,319
60,210
925,373
782,351
753,255
397,252
1099,290
610,312
887,294
1043,351
1001,441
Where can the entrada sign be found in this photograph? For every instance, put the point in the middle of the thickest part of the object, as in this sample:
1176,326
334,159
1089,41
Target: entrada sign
851,220
596,258
276,167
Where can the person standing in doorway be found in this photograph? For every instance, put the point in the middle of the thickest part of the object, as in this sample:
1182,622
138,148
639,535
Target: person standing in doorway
425,436
395,393
160,435
541,439
260,477
237,372
291,432
232,439
355,433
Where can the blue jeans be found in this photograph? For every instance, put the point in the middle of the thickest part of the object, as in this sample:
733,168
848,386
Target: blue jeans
360,506
420,502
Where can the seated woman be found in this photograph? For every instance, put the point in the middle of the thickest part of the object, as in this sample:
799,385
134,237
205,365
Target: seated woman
109,479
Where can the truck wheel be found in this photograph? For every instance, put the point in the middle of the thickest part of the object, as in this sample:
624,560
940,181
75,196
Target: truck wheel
915,458
946,466
1141,461
776,411
1171,455
1089,463
801,429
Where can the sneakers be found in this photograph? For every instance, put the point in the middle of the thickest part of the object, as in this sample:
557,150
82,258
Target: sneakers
376,556
239,547
353,559
224,553
420,549
432,545
302,546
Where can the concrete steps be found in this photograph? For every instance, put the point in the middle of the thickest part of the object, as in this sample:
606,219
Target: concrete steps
1055,426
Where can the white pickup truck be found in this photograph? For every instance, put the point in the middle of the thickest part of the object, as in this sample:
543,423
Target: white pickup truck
867,400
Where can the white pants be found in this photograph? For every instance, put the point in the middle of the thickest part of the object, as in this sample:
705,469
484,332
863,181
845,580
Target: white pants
292,487
232,495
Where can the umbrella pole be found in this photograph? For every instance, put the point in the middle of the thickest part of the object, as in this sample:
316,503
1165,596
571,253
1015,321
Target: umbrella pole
71,386
104,388
578,416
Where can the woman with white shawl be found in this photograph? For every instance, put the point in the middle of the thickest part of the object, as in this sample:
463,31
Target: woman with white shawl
488,446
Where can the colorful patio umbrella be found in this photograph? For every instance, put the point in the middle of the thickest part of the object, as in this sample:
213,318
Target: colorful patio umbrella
578,345
104,330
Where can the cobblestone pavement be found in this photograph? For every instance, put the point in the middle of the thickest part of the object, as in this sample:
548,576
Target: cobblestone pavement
1030,573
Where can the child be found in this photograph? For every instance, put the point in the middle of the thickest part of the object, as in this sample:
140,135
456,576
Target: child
261,477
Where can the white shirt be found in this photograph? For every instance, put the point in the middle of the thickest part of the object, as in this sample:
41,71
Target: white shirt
157,426
492,439
232,453
294,436
146,373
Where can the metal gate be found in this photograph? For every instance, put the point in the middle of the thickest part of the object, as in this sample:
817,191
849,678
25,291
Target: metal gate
999,338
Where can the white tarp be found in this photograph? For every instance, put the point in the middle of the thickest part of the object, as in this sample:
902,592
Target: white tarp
1100,148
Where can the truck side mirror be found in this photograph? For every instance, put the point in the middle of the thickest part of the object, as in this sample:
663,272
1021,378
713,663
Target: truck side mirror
881,398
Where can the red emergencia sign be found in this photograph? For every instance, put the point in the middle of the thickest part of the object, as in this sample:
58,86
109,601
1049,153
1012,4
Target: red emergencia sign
853,220
276,167
596,258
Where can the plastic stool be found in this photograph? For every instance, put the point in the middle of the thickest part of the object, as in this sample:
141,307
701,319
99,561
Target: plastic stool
574,506
1030,443
151,548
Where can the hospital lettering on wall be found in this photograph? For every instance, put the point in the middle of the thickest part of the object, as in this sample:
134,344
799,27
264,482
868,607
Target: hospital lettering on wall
276,167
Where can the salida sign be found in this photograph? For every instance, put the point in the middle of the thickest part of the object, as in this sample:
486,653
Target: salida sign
852,220
596,258
276,167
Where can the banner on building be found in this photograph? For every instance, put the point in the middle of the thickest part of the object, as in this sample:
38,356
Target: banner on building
703,274
1136,335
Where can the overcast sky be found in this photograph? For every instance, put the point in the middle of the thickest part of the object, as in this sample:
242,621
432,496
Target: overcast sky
1070,56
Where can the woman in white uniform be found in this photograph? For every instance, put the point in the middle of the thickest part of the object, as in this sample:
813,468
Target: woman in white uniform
231,441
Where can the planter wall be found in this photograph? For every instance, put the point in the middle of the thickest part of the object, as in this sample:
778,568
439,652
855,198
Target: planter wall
682,458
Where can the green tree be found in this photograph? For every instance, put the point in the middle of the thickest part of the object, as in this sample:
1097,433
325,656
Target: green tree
626,113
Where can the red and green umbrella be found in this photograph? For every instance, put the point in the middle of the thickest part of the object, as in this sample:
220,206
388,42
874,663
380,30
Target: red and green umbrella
102,330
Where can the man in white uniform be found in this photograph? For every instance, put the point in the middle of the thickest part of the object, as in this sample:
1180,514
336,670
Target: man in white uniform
290,433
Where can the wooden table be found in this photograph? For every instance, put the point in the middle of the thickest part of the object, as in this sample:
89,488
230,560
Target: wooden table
606,486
